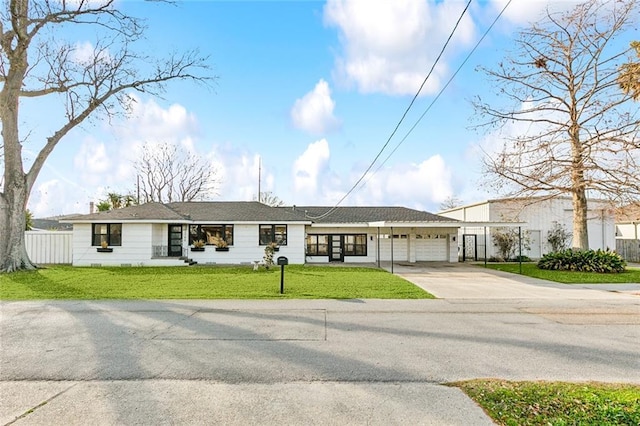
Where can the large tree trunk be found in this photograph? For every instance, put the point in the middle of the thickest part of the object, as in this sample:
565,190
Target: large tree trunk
14,195
13,253
580,235
578,191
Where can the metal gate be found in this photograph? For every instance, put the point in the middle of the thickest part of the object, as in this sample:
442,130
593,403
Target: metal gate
469,247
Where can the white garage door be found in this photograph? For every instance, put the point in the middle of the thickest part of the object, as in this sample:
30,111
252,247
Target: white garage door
400,249
432,248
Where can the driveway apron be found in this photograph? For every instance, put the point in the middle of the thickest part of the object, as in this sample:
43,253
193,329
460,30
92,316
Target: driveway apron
462,281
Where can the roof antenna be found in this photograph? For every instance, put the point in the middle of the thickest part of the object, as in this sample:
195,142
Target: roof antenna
259,178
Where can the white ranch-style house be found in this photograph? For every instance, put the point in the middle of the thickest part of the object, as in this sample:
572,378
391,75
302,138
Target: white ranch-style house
155,234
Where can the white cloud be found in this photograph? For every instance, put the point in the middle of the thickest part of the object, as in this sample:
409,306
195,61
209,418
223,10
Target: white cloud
99,168
314,111
419,185
103,162
54,197
238,170
81,4
44,197
522,12
310,166
495,141
85,53
149,122
388,46
92,161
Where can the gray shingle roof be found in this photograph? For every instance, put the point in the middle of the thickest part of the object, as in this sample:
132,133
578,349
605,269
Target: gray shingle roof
222,211
253,211
148,211
234,211
366,214
51,224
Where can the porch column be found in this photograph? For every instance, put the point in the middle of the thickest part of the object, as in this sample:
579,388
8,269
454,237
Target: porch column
378,247
411,241
520,248
392,249
485,246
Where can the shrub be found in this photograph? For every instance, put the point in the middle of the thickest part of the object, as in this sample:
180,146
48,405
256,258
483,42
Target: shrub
268,255
558,238
506,240
583,261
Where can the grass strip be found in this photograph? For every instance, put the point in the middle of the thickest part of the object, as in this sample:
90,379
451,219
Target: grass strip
206,282
630,276
556,403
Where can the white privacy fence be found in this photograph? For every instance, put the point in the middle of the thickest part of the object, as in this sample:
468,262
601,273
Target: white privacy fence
49,247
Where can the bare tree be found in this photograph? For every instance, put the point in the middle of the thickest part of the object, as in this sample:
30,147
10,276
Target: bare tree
450,202
575,131
37,61
168,174
629,78
270,199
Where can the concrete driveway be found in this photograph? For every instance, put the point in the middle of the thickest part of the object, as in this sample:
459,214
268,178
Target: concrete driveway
464,281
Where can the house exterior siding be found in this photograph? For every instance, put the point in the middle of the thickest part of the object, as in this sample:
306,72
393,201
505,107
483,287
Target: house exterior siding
136,248
409,244
246,247
322,230
540,217
139,240
153,234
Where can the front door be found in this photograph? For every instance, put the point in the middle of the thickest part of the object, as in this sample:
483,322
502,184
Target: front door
335,249
175,240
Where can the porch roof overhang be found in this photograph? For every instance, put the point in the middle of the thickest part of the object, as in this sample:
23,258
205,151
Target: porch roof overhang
493,224
190,222
384,224
452,224
440,224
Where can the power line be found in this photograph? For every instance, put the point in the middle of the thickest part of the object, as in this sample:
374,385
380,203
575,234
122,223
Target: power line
364,174
441,90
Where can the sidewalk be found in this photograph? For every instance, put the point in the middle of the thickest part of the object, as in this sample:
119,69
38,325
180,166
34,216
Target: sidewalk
203,402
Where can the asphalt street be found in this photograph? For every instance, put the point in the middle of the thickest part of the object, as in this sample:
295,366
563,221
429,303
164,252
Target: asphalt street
303,361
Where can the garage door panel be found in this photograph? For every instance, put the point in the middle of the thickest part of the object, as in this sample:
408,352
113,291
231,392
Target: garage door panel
400,249
431,249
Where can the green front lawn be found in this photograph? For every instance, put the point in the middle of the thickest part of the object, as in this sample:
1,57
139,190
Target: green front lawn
556,403
631,275
204,282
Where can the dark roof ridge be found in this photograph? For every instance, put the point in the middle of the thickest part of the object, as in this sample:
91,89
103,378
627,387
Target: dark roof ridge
361,214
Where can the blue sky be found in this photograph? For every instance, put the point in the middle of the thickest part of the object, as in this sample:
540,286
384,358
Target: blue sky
313,89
